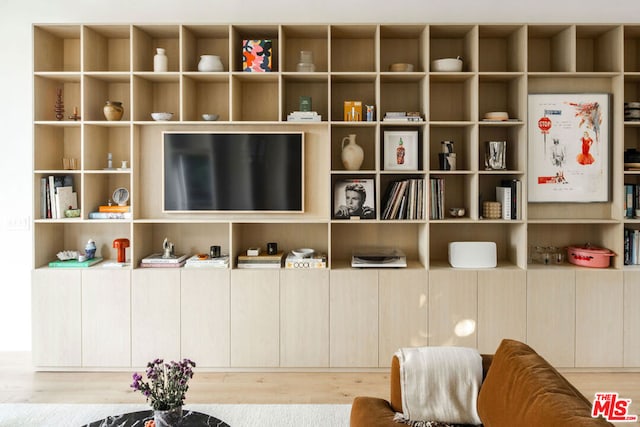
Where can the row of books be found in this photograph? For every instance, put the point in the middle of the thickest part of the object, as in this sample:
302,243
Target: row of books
631,200
509,194
631,246
436,198
57,196
405,200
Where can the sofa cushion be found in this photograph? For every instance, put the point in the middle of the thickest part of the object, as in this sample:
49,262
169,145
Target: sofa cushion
522,386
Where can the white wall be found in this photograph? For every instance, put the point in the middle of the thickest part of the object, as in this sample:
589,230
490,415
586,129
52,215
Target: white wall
17,16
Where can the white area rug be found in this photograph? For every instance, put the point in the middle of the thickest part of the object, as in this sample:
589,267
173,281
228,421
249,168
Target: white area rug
72,415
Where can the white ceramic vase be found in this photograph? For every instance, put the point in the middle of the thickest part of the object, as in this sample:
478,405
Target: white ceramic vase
160,60
352,153
210,63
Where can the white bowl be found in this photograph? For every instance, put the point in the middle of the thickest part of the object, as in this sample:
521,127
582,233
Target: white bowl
303,252
161,117
447,64
210,117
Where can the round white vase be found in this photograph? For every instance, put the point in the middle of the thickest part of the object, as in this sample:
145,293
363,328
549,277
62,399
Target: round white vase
352,153
210,63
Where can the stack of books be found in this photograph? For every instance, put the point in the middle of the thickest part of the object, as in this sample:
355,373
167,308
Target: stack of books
157,261
204,260
631,246
304,116
436,210
111,212
405,200
509,194
402,116
57,196
261,261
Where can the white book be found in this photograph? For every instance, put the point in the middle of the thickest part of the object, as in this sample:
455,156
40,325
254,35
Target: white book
52,196
503,195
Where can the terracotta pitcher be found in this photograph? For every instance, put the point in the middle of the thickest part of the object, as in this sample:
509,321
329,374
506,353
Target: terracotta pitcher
352,153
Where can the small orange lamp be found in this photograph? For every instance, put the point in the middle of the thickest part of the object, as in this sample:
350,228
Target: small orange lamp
121,245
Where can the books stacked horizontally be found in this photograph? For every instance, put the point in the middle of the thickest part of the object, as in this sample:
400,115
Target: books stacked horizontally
402,116
405,200
304,116
204,260
158,261
436,197
261,261
112,212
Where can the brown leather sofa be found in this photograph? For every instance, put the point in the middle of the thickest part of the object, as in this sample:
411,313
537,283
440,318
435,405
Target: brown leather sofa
520,389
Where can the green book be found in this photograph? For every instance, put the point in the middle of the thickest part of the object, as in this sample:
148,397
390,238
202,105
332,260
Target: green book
74,263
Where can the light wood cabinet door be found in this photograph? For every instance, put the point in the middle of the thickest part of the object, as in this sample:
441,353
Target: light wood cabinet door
155,315
632,319
599,318
502,307
106,318
453,308
551,314
353,318
304,318
56,318
403,304
255,335
205,316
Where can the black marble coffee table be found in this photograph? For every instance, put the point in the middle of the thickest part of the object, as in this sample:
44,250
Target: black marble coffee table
137,419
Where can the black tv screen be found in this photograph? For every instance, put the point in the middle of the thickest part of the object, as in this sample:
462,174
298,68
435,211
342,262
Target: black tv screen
240,172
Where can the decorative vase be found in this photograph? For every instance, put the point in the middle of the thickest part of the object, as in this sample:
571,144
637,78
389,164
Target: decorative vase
210,63
168,418
160,61
352,153
113,110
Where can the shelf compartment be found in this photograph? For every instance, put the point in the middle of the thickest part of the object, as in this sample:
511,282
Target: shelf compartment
39,192
352,88
153,95
353,48
452,99
200,40
487,184
313,38
632,136
598,48
500,48
460,191
54,143
403,93
255,97
353,235
100,88
45,95
147,38
254,32
507,235
188,238
463,137
295,85
386,184
73,235
102,140
56,48
502,93
288,237
365,138
205,94
106,47
516,156
404,44
450,41
631,51
551,48
101,186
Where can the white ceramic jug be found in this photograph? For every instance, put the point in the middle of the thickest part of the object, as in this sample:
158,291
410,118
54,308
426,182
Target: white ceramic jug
352,153
160,60
210,63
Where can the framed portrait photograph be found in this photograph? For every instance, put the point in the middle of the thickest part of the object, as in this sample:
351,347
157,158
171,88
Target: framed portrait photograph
569,140
400,150
354,199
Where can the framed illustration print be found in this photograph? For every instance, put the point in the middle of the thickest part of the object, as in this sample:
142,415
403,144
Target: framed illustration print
400,150
354,199
569,147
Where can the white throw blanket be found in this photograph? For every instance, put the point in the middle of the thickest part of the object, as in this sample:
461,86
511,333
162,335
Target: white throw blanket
440,384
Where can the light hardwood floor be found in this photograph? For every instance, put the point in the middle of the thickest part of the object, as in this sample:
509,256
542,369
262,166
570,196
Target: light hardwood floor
19,383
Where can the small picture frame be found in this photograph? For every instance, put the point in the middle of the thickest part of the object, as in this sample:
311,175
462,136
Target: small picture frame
401,150
354,199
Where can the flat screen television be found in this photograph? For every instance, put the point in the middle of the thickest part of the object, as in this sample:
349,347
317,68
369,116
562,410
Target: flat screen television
233,172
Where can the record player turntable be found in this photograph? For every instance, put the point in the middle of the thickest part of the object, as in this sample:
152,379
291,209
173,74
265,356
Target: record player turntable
378,258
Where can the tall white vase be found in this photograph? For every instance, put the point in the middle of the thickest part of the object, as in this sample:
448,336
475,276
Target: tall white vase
352,153
160,60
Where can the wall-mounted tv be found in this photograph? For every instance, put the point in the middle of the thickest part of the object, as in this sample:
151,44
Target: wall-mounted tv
233,172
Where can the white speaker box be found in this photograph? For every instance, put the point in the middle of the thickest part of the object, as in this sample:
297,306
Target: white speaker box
472,254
